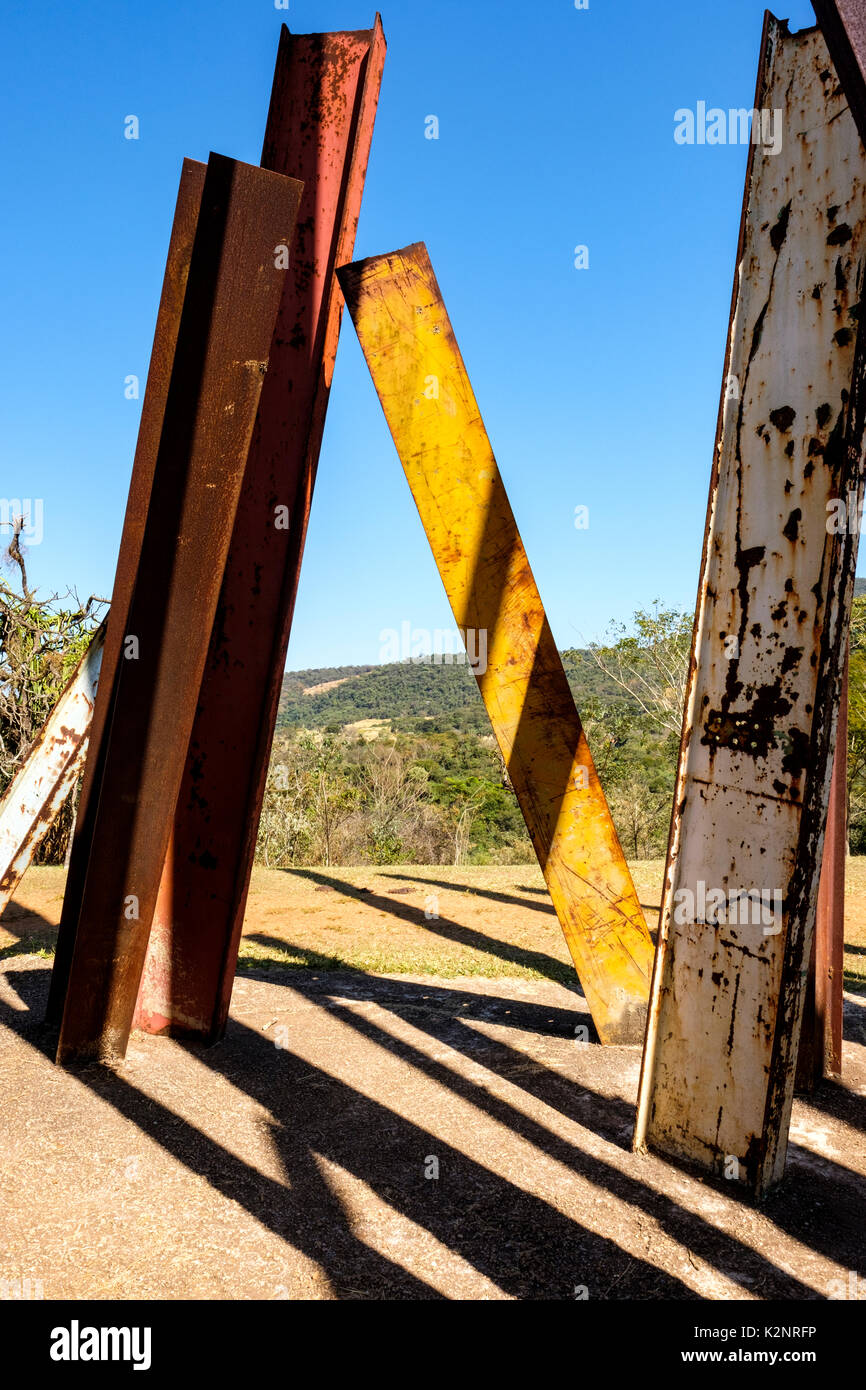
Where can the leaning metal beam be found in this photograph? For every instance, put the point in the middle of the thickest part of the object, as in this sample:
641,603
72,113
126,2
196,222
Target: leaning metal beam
35,796
772,617
431,411
319,129
149,432
232,295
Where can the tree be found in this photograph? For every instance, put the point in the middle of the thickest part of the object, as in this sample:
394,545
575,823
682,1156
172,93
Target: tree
641,815
41,643
651,663
393,791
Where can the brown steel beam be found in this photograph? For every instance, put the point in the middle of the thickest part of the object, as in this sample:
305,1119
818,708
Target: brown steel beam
149,432
233,291
319,128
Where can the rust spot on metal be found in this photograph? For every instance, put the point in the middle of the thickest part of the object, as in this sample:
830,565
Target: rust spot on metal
783,418
840,235
791,529
780,230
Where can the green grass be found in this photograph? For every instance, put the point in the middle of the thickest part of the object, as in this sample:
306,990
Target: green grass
375,961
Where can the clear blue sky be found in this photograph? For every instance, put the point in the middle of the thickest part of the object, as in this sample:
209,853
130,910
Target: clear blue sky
598,387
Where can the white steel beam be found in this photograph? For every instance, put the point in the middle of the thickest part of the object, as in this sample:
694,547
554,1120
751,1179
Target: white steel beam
772,617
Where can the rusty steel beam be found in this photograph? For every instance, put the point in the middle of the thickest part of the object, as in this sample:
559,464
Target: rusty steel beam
42,784
422,383
820,1052
843,24
319,129
232,295
774,600
830,924
149,432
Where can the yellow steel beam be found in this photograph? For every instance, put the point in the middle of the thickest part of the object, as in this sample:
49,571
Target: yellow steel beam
433,416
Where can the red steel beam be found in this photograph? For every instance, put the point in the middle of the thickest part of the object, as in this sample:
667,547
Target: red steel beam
233,292
149,432
830,928
319,129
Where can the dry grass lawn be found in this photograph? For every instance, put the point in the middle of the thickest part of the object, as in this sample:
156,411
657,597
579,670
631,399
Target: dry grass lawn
413,920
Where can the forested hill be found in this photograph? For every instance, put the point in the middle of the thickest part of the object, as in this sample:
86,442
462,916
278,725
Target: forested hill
416,692
410,691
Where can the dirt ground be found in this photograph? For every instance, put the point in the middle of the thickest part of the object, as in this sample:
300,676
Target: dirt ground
400,1109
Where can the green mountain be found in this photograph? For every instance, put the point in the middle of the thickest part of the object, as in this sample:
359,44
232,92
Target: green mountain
414,694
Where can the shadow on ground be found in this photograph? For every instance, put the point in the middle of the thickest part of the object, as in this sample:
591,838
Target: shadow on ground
528,1246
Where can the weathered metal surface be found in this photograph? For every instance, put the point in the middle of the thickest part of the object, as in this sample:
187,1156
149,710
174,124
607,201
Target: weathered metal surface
820,1051
36,794
319,128
431,411
843,24
772,616
232,295
149,433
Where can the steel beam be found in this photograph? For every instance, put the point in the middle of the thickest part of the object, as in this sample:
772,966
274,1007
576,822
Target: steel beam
149,433
830,924
319,128
772,617
407,339
232,295
843,24
42,784
820,1052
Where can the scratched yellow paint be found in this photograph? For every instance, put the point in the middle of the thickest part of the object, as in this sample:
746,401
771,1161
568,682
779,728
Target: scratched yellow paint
431,411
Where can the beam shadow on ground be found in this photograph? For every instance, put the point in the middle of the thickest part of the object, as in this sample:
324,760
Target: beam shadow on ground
537,1252
562,972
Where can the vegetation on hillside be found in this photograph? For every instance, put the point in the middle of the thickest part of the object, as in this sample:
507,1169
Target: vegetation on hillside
397,763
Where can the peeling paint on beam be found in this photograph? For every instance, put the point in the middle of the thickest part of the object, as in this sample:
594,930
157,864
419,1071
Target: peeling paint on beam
433,416
772,617
41,786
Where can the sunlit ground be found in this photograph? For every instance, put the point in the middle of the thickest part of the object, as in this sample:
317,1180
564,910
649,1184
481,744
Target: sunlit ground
406,919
